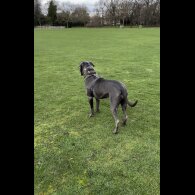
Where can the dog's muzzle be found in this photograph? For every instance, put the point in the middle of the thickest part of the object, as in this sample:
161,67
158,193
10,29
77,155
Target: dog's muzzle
90,71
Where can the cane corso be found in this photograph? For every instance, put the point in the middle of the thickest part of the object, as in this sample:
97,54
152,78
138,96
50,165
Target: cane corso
99,88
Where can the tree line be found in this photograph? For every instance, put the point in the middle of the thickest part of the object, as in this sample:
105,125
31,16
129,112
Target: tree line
106,13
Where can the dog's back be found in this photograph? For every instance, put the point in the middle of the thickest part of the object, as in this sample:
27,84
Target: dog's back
107,88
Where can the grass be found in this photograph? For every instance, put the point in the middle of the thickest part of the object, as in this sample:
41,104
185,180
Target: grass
78,155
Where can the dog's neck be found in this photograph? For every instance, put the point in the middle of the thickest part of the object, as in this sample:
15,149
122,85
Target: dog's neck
91,75
90,78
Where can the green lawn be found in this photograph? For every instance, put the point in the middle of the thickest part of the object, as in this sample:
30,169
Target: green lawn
78,155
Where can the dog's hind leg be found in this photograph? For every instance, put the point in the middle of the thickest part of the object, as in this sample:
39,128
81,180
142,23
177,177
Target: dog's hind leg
114,108
114,113
97,105
124,107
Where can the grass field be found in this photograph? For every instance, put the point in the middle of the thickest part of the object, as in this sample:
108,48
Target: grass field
78,155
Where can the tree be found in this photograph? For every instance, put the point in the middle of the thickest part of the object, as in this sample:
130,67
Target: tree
132,12
37,13
66,10
150,12
125,10
52,12
95,21
112,10
80,16
100,9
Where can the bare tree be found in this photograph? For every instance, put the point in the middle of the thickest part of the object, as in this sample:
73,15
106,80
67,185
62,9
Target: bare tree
125,9
112,10
155,12
80,15
147,11
100,9
66,9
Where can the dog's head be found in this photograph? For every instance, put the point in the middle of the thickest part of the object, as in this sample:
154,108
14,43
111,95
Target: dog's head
86,68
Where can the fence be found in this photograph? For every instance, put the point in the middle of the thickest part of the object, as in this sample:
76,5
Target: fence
49,27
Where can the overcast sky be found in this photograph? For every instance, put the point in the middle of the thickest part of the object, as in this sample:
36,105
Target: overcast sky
88,3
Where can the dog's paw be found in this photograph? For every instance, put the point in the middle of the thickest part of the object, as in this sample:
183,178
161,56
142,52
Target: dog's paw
114,131
91,115
124,123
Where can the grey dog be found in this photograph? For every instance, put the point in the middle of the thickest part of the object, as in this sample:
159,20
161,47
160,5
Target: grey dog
100,88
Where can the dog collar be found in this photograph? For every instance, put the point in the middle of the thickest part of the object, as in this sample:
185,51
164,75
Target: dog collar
87,76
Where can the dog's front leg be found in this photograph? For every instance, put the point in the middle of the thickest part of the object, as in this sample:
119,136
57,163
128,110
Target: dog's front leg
91,106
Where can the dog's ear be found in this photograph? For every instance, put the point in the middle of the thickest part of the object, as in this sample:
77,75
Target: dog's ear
81,68
92,64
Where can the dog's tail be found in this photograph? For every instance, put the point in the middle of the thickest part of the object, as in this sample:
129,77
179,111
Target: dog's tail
132,104
125,94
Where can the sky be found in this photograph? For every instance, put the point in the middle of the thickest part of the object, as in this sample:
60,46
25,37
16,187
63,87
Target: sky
88,3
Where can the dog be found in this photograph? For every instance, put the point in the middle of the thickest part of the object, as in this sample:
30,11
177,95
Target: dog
100,88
